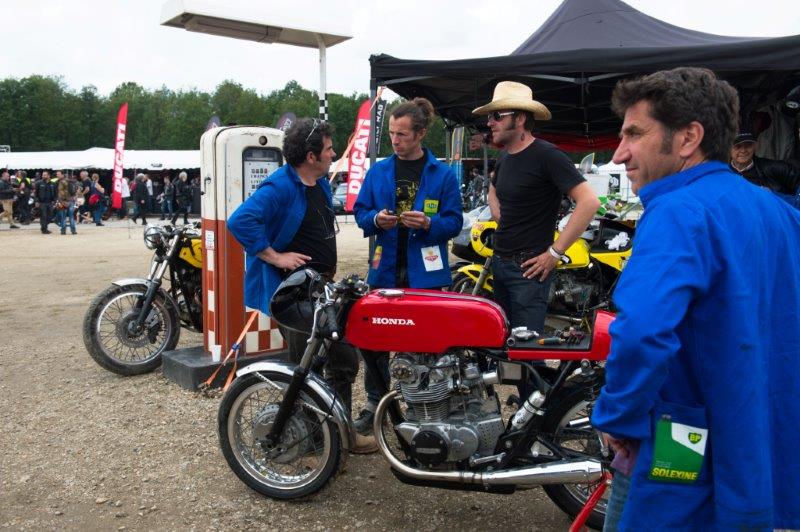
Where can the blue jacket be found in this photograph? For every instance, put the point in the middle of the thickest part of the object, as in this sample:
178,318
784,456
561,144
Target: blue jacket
708,332
438,197
269,218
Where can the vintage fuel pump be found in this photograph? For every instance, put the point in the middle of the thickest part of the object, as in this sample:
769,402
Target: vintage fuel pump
234,160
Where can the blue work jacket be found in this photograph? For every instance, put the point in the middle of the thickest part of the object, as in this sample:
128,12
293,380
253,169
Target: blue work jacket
270,218
438,197
708,333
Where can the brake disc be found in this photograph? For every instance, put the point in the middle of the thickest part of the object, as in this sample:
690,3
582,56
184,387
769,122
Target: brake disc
295,441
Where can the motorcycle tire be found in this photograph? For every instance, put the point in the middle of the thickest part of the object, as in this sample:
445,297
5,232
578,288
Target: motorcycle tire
571,498
309,453
463,284
107,339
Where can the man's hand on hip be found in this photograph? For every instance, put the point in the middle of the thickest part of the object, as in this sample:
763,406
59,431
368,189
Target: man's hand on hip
539,266
285,261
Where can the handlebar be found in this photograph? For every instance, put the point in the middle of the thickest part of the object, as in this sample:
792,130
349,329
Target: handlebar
331,326
329,304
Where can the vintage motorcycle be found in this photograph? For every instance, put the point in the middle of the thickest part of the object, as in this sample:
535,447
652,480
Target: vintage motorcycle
131,323
285,432
583,281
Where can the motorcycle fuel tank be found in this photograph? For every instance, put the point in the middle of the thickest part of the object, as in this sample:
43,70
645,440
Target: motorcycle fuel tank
424,321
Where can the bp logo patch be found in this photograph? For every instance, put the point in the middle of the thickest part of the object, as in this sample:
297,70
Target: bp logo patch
694,437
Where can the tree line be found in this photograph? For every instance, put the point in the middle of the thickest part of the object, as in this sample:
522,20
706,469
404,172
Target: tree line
41,113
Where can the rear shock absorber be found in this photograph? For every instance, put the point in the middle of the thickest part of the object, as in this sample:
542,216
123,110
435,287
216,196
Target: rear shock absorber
592,379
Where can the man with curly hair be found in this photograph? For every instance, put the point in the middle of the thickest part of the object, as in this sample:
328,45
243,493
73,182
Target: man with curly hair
700,401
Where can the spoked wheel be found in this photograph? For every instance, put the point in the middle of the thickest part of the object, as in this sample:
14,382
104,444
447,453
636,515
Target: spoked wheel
568,421
308,453
112,338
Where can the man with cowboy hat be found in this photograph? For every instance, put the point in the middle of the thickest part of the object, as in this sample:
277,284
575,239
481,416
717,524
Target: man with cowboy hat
531,177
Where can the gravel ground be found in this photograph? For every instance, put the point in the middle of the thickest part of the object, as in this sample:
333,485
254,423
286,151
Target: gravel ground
84,449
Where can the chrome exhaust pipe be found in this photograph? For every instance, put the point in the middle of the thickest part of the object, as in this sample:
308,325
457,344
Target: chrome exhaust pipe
563,472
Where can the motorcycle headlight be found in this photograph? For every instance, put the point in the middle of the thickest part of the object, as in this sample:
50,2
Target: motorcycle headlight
152,237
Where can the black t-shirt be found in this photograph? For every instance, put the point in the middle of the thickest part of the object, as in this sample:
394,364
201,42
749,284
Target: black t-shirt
407,175
86,185
316,236
529,187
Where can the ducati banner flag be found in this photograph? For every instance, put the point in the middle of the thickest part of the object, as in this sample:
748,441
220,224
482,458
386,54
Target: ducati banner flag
119,150
358,155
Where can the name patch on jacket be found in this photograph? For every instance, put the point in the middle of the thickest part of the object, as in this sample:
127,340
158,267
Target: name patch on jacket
430,207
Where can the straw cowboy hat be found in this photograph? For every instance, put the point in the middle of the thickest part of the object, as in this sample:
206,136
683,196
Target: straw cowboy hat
510,95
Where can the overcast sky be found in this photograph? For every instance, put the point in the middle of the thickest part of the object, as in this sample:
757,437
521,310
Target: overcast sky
107,42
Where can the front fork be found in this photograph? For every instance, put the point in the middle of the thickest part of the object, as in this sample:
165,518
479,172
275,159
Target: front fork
157,271
293,391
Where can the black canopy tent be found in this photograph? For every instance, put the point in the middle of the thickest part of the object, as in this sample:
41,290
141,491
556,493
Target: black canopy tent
573,61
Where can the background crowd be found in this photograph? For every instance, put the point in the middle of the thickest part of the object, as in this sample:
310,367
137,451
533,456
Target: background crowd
74,198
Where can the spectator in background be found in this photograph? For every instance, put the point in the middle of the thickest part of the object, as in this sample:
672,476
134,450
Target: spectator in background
97,199
7,194
84,210
25,197
139,196
778,176
66,189
167,198
183,196
150,197
45,196
125,193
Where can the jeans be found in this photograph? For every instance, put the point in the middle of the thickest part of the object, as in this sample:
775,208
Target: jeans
523,300
379,360
99,209
24,210
341,364
620,486
62,216
183,208
166,207
140,211
45,213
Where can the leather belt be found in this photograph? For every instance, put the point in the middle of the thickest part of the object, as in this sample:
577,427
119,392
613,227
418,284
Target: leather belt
518,257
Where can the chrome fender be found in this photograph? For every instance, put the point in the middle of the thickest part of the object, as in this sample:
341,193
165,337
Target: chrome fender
319,387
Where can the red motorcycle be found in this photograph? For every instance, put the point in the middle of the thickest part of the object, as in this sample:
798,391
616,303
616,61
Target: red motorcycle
284,431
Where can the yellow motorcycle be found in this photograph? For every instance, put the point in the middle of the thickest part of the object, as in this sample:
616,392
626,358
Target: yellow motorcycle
131,323
583,281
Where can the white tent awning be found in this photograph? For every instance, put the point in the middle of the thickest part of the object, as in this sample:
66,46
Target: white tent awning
101,159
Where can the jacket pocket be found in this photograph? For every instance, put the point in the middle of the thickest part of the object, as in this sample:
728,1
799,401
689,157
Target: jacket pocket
678,450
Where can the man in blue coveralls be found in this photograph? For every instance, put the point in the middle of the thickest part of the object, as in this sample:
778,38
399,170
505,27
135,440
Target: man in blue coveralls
411,203
700,402
289,223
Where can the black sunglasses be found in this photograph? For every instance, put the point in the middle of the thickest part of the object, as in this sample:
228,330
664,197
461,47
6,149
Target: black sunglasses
498,115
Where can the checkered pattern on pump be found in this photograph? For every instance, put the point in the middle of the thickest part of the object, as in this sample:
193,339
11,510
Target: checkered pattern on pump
263,334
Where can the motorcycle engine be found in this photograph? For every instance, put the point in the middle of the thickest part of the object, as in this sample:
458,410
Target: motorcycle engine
450,417
570,292
192,301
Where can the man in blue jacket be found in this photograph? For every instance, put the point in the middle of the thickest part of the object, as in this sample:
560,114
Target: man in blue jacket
411,203
700,402
288,223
